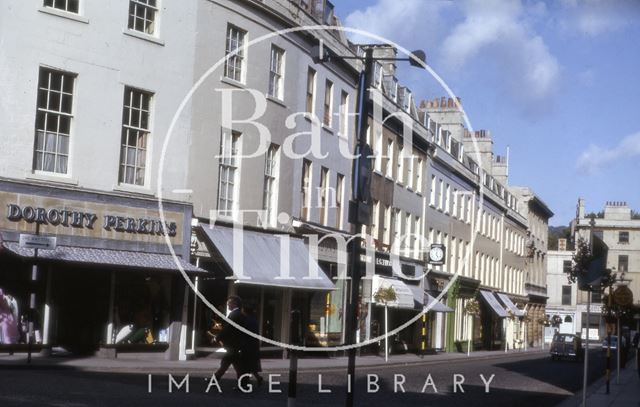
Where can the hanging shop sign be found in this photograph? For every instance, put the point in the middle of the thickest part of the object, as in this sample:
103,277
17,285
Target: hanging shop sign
623,296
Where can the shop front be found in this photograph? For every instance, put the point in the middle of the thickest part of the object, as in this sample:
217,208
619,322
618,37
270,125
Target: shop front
514,324
492,321
275,274
105,279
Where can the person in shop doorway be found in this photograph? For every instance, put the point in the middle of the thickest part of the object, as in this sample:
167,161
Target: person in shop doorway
232,339
251,349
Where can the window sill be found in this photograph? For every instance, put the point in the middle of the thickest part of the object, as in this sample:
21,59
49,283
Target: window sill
133,189
51,177
276,101
232,82
64,14
143,36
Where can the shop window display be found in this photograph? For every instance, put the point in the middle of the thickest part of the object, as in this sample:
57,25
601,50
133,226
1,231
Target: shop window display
10,330
142,310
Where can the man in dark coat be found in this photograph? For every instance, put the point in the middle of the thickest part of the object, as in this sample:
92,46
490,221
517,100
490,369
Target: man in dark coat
251,350
232,339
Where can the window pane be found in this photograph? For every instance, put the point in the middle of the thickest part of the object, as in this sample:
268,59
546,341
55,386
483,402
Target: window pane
61,164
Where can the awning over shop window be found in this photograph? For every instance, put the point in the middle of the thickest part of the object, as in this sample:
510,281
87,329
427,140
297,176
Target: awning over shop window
509,304
261,259
423,299
404,294
493,303
103,257
435,305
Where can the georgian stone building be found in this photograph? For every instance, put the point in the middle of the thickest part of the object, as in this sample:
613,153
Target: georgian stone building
206,106
619,228
485,227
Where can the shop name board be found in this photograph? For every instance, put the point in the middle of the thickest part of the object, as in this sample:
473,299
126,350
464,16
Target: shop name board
383,262
88,220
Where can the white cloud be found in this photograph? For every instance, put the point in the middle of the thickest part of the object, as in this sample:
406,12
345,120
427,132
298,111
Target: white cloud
595,17
456,35
410,23
498,32
595,157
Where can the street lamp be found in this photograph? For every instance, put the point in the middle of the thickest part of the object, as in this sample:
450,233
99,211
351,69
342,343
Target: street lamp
361,202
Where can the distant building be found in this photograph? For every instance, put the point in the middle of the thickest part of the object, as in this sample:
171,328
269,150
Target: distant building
620,230
563,295
535,285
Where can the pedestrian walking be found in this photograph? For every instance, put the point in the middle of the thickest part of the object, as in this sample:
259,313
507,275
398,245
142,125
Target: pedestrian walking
251,350
231,338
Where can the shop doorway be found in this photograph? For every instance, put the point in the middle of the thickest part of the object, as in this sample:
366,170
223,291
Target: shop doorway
80,303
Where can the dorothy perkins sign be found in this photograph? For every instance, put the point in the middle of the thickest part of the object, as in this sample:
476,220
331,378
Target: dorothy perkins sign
79,219
104,220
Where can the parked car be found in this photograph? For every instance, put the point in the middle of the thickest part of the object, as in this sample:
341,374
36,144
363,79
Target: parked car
566,346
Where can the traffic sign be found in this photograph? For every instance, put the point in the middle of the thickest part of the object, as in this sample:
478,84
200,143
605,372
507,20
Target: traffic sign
37,242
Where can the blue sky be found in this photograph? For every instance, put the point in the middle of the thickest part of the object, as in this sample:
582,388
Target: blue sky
556,81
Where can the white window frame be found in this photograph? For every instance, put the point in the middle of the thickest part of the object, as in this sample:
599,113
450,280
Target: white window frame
235,53
277,72
310,91
63,5
454,209
305,186
400,175
397,230
407,241
146,12
447,201
270,193
323,203
375,224
50,138
378,148
134,103
432,191
339,196
344,115
417,238
229,173
389,155
386,233
327,119
419,175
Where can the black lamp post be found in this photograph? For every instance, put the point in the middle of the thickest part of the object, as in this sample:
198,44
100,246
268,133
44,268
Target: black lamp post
361,202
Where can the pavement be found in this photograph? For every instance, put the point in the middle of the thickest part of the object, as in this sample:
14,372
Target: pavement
525,378
623,391
153,364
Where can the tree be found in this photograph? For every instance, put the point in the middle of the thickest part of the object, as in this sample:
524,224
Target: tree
385,295
581,260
